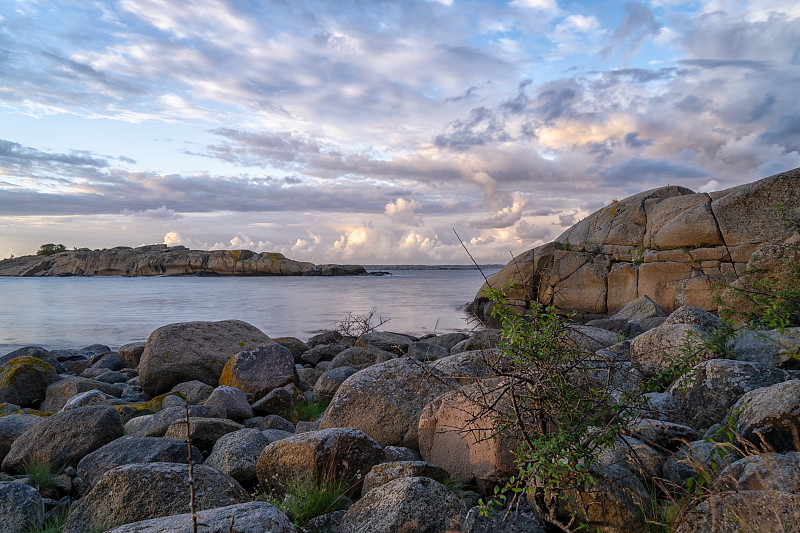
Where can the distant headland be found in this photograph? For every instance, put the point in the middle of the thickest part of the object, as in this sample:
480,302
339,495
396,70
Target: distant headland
160,259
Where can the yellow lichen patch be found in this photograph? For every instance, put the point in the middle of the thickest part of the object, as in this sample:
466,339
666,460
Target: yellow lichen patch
227,377
236,254
153,405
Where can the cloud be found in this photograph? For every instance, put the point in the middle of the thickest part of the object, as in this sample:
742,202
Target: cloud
651,171
402,211
637,24
505,217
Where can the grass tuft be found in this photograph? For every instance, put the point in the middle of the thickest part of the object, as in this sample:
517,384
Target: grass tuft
304,411
305,500
42,472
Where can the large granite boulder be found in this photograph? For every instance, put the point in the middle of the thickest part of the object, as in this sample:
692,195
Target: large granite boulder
38,352
136,492
360,358
129,450
328,383
383,473
233,400
308,457
203,432
417,504
65,438
385,401
24,381
237,453
62,390
663,347
252,517
194,350
21,507
669,244
395,343
11,427
770,416
261,370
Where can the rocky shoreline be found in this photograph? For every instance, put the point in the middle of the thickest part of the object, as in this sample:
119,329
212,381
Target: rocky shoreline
116,421
160,260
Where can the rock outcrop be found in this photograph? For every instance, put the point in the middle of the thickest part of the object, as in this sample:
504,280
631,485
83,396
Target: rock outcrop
157,260
668,243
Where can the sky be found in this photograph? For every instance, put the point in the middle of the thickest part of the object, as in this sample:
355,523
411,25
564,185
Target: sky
368,131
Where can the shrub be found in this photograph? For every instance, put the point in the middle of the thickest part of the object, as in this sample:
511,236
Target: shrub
305,500
552,404
51,249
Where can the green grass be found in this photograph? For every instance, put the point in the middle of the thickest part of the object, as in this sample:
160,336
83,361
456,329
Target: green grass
303,411
54,524
43,473
306,500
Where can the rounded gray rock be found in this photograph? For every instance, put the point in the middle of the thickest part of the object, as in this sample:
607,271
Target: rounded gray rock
237,453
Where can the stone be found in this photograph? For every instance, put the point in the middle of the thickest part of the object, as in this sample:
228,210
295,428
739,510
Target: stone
417,504
399,453
130,450
252,517
425,351
470,366
343,453
360,358
294,345
395,343
21,507
24,381
447,340
632,455
639,309
660,435
327,523
261,370
455,433
62,390
698,456
754,510
768,471
237,453
136,492
90,397
712,387
702,320
664,406
131,353
590,339
275,434
112,376
383,473
767,347
770,416
156,425
658,349
270,422
233,401
203,432
196,392
65,438
322,352
500,522
326,337
176,353
38,352
110,361
11,427
278,401
328,383
385,401
484,339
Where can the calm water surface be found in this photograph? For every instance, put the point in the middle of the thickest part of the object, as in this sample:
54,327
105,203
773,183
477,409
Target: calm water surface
74,312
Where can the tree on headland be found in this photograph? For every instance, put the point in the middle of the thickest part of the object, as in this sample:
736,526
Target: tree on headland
51,249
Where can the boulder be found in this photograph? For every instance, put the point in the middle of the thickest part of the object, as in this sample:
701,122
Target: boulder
38,352
90,397
385,401
203,432
252,517
261,370
270,422
294,345
425,351
65,438
156,425
399,453
590,339
447,340
328,383
176,353
417,504
62,390
110,361
712,387
395,343
24,381
660,435
131,353
307,457
326,337
278,400
754,510
130,450
455,433
21,507
327,523
470,366
770,416
237,453
662,347
639,309
322,352
196,392
702,320
768,471
360,358
664,406
698,456
11,427
767,347
233,401
632,455
385,472
484,339
501,522
136,492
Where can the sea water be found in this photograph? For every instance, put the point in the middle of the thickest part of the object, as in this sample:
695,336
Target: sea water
73,312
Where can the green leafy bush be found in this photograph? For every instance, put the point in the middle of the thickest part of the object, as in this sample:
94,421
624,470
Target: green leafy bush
51,249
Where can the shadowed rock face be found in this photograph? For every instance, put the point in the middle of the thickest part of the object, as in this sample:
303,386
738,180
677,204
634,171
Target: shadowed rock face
158,260
668,244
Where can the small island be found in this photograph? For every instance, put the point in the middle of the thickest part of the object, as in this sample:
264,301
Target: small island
160,259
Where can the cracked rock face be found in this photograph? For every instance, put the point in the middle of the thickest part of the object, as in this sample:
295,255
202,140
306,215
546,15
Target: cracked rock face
667,243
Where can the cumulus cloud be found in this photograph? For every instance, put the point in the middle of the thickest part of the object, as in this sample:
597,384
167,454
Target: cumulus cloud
402,211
